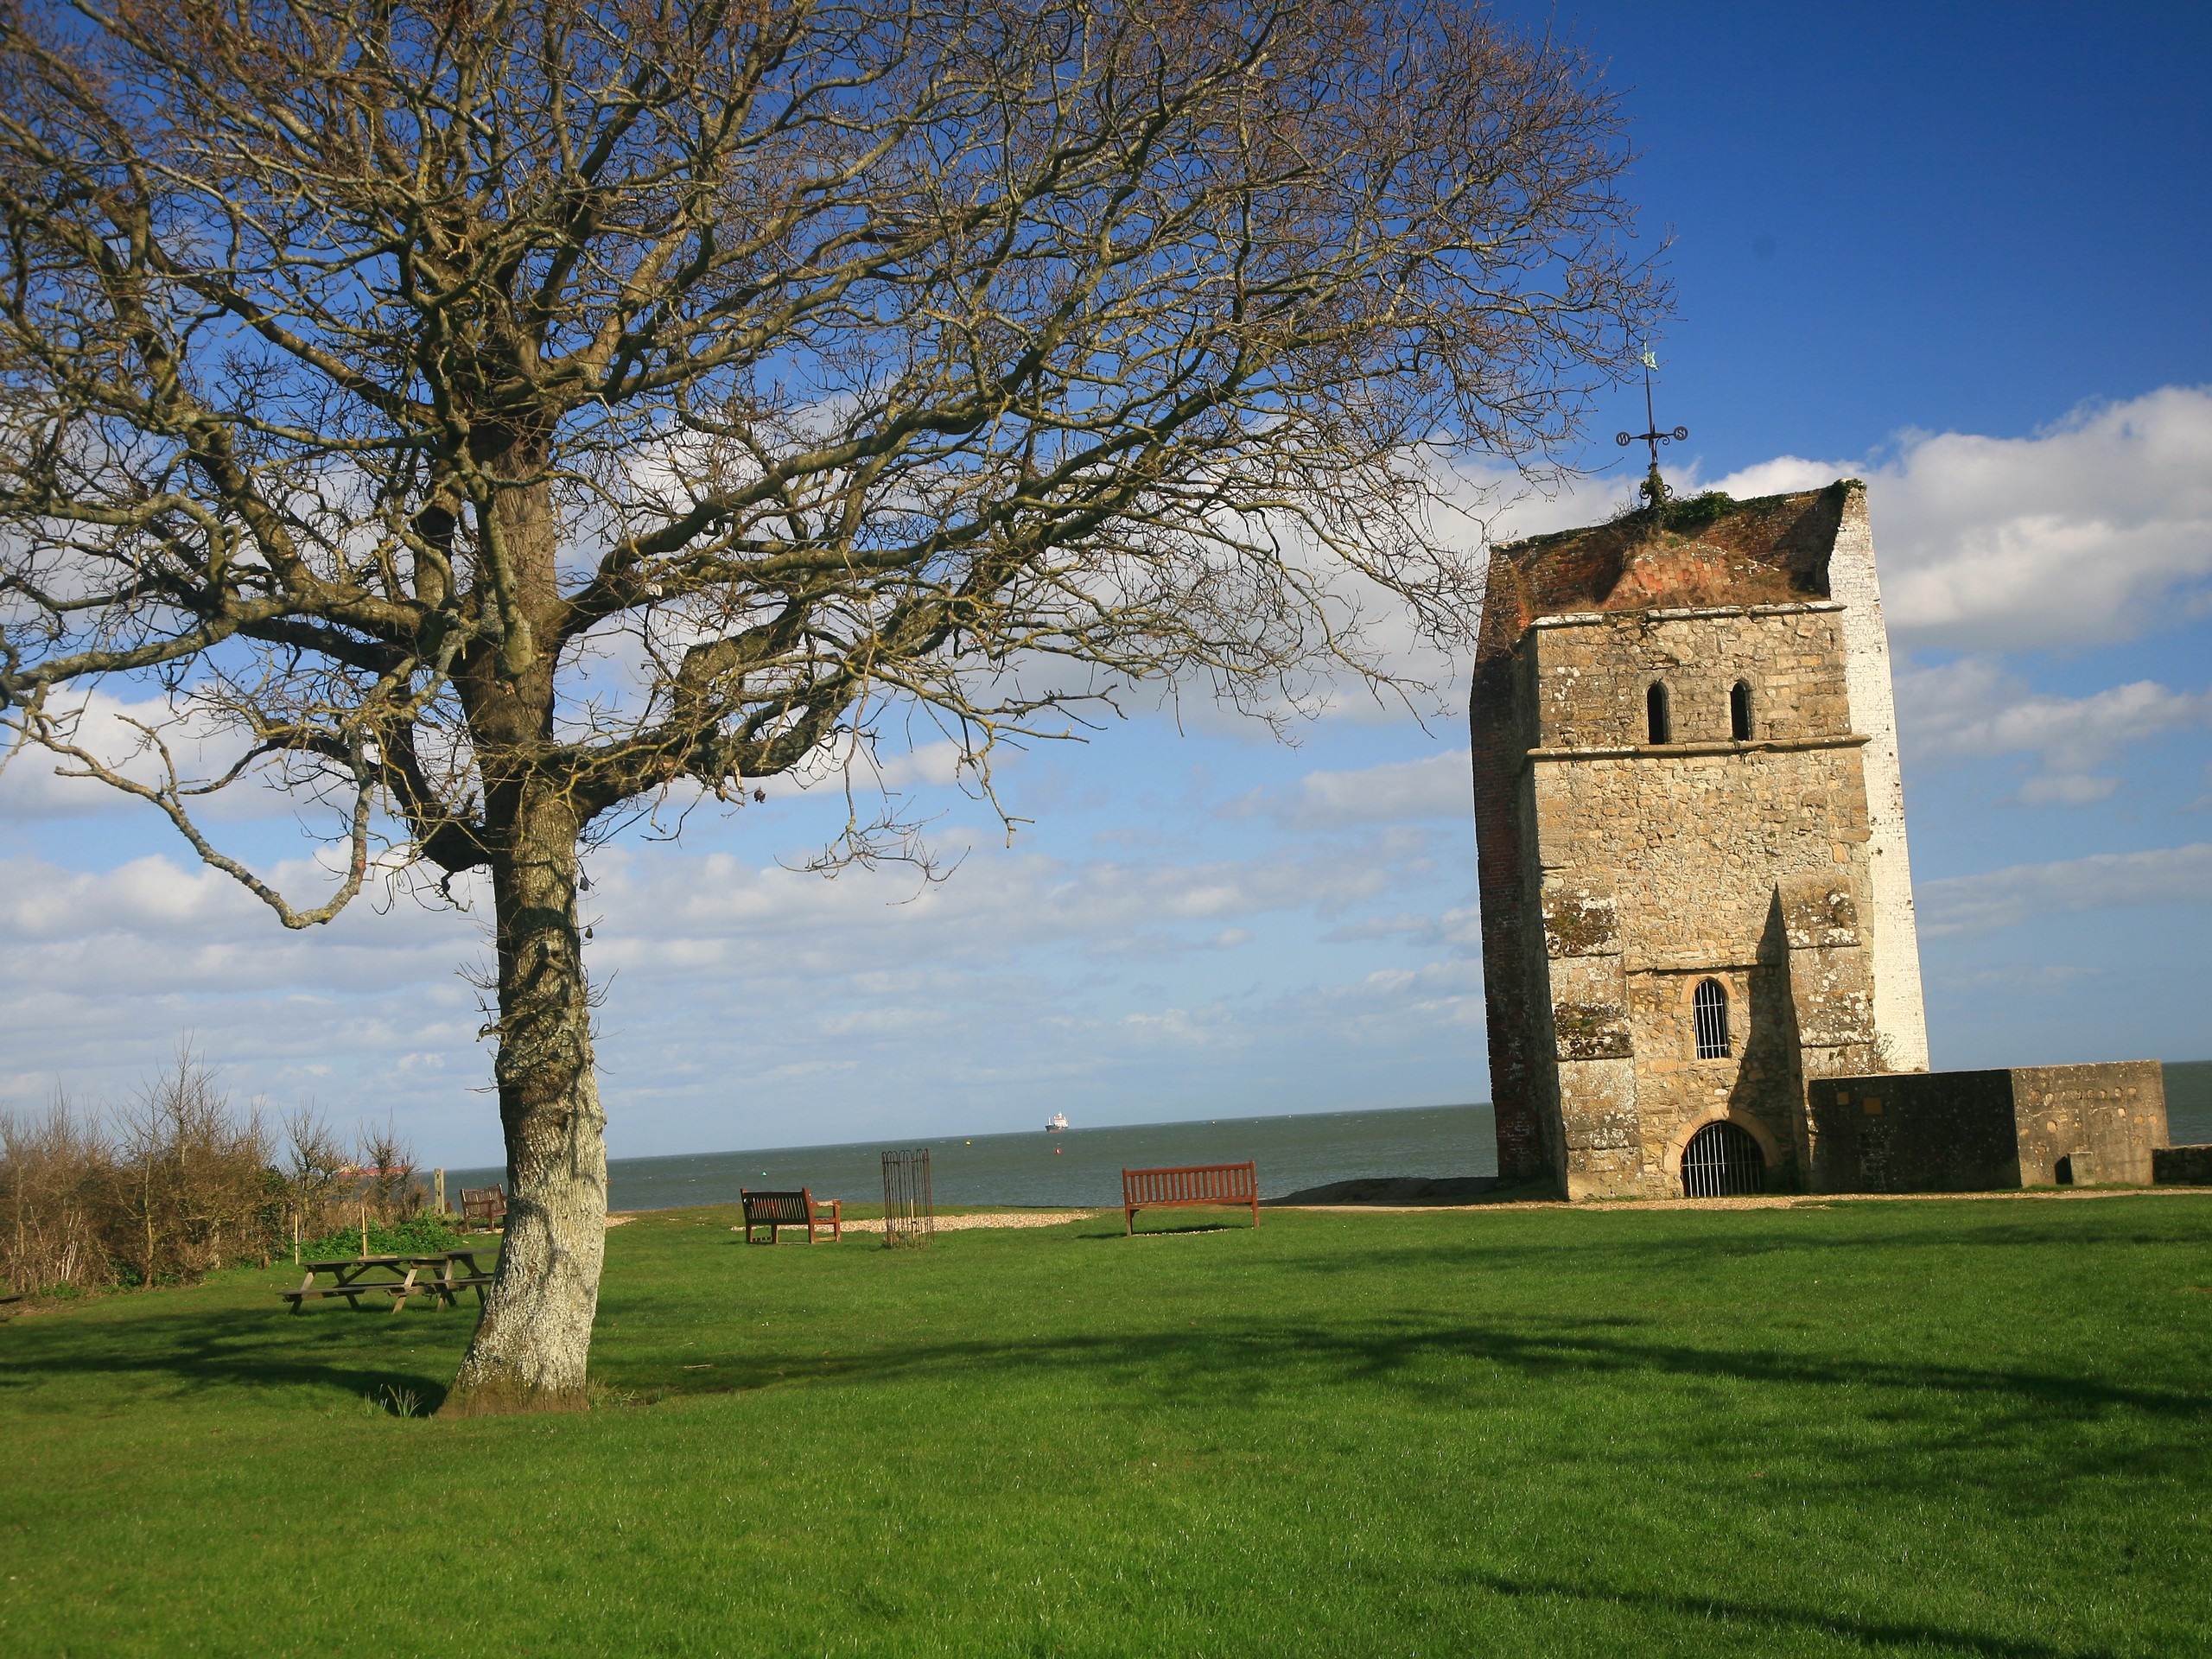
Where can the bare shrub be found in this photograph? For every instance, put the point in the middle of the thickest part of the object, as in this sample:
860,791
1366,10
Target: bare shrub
56,1173
193,1186
176,1183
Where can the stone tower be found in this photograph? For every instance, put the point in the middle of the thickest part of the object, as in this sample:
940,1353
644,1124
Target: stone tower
1695,897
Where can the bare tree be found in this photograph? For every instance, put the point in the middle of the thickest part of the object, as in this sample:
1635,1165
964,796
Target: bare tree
317,1168
387,1163
494,414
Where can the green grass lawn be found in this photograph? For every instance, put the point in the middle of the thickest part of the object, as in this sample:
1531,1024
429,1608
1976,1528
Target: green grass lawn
1896,1428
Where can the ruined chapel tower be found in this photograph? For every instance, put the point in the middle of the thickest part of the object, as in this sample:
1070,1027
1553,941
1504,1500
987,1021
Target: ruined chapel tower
1695,895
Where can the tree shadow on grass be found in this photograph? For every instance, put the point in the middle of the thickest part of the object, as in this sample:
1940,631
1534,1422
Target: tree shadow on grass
1849,1426
208,1347
1989,1416
1874,1634
1380,1350
237,1345
1738,1236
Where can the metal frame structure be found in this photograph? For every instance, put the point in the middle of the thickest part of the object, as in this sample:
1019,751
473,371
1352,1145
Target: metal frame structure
909,1206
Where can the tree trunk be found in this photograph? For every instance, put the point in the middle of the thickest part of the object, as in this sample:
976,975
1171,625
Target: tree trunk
532,1342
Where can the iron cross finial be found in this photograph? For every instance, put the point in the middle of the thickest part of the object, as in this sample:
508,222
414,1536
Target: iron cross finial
1655,488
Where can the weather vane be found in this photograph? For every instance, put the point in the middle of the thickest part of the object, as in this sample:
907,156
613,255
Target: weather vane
1655,487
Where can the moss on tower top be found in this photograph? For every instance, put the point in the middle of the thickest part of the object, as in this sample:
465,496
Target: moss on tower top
1708,551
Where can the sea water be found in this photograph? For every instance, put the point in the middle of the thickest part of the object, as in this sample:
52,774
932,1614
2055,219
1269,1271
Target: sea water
1076,1167
1083,1167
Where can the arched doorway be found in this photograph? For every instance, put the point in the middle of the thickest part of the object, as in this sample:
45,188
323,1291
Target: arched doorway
1723,1160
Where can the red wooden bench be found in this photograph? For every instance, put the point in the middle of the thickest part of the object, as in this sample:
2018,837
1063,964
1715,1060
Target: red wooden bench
799,1209
1191,1184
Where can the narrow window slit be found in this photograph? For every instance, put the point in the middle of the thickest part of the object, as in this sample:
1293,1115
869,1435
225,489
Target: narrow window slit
1739,711
1655,716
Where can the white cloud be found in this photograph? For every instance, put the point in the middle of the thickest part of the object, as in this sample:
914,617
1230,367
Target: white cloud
2087,531
34,786
1460,927
2006,898
2084,531
936,763
2068,788
732,987
31,787
750,1005
1397,791
1975,707
673,914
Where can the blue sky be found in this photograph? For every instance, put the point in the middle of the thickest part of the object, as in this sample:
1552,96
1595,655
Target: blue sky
1960,252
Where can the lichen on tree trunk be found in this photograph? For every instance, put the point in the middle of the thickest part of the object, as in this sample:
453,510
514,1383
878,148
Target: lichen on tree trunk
533,1341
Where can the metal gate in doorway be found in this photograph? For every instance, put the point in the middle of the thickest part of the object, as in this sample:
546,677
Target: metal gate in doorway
1723,1160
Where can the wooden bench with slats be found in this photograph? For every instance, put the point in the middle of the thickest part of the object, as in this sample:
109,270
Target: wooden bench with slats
1187,1186
799,1209
483,1206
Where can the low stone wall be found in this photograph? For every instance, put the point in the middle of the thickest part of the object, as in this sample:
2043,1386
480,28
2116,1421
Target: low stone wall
1914,1131
2182,1167
1985,1131
2089,1125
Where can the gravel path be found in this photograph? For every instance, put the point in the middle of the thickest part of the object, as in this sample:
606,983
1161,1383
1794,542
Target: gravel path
998,1218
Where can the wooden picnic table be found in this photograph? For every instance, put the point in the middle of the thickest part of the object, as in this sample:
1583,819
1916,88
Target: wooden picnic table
396,1276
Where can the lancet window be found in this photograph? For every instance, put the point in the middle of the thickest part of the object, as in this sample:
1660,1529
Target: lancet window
1709,1006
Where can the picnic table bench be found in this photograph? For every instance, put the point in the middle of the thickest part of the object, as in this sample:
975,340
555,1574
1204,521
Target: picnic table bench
396,1276
1236,1185
799,1209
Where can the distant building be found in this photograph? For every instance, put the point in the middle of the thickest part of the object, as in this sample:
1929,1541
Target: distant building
1696,899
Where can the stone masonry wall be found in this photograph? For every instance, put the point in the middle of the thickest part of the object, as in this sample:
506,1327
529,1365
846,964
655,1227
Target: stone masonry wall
2104,1119
2182,1166
1495,733
1922,1132
1592,672
1818,932
1656,867
1979,1131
